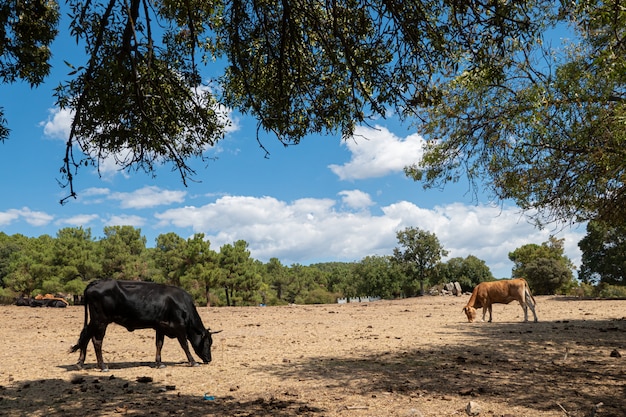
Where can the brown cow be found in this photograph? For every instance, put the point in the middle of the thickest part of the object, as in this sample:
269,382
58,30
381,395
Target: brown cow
503,292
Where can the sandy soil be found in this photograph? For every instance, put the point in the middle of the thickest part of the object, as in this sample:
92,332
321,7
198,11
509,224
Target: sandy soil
414,357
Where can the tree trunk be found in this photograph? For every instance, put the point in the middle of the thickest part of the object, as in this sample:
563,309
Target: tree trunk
227,296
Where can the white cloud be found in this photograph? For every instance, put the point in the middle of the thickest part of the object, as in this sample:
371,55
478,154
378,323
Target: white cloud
78,220
108,166
377,152
149,196
59,123
8,217
95,191
356,199
224,114
487,232
126,220
93,195
312,230
33,218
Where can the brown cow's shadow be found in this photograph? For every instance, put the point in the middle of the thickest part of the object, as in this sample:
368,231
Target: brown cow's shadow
537,365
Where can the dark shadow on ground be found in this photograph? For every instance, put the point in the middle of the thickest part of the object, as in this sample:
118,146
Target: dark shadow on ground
108,395
585,298
123,365
543,366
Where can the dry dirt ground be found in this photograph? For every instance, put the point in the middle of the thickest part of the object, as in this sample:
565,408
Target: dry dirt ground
414,357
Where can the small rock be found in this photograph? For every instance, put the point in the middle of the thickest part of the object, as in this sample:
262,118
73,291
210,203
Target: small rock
144,379
472,409
77,380
615,354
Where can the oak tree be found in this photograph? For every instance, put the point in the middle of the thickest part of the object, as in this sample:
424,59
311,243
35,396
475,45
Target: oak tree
298,66
603,254
543,126
419,253
545,266
537,122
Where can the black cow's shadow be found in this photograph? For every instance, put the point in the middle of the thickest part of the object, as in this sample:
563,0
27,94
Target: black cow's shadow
100,395
124,365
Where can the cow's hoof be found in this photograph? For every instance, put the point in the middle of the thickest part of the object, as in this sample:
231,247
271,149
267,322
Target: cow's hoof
160,365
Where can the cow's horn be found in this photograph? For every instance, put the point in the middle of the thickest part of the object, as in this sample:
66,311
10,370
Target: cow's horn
214,332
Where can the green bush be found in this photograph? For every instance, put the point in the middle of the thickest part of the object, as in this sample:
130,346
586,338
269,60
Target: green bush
317,296
7,296
611,291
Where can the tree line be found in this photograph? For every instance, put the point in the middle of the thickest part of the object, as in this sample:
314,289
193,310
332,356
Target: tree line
229,275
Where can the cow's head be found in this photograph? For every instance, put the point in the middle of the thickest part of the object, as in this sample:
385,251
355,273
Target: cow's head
470,312
203,346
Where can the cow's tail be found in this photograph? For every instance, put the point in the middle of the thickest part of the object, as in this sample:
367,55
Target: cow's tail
83,340
529,296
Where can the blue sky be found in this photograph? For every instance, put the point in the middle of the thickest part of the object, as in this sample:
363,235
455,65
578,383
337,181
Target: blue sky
323,200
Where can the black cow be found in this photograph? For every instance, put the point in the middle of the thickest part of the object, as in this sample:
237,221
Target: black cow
22,301
142,305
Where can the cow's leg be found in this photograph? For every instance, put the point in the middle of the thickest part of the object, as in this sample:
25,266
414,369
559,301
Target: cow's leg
530,304
83,342
98,335
183,344
490,318
525,308
160,337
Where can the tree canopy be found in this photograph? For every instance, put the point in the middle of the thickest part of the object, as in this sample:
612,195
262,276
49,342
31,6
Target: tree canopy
544,266
542,124
469,272
419,252
604,254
